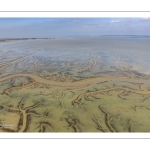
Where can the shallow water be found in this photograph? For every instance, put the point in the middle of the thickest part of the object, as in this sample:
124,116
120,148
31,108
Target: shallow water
110,73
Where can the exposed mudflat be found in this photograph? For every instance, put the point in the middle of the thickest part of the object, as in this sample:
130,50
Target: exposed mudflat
75,85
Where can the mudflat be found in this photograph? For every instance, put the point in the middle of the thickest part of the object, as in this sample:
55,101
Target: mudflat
75,85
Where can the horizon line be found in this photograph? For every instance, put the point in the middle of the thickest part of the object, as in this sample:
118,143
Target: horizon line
64,37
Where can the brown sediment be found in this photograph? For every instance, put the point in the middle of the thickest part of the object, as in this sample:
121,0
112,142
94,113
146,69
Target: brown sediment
84,82
99,126
141,87
131,125
89,65
79,97
5,64
107,119
135,107
6,91
117,69
3,57
25,113
72,121
58,97
86,97
120,96
42,126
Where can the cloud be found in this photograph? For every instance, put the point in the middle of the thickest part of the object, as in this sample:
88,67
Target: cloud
121,21
115,21
145,18
70,27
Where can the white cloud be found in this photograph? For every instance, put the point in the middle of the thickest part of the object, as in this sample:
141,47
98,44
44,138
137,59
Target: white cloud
145,18
115,21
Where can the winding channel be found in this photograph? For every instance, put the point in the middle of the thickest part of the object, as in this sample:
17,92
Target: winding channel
85,82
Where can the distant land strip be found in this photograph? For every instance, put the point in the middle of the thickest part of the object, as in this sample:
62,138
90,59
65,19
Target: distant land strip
14,39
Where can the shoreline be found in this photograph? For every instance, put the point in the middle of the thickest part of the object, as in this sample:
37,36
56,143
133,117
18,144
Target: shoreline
17,39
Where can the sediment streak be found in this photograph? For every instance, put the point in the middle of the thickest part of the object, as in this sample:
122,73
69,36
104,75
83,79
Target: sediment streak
81,83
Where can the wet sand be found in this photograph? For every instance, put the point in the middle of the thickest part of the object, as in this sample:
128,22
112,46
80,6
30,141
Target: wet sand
75,85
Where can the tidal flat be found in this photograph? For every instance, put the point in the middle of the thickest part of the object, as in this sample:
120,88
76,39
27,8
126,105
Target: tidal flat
75,84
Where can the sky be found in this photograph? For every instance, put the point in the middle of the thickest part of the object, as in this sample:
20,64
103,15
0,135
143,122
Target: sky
72,27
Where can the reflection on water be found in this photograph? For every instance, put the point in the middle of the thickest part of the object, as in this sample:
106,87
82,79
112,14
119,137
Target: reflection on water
75,85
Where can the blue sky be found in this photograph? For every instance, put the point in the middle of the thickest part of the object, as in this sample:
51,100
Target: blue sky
72,27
